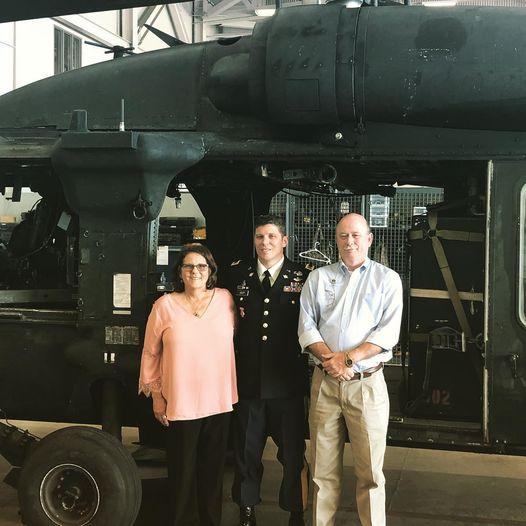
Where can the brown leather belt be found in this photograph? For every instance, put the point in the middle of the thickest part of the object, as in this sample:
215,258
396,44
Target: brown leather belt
359,376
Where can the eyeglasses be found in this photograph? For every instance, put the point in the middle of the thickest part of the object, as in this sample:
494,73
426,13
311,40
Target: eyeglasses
201,267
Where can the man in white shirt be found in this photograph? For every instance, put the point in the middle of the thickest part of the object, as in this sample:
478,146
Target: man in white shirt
350,314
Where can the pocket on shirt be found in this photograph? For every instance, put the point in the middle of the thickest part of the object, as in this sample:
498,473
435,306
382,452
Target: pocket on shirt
290,298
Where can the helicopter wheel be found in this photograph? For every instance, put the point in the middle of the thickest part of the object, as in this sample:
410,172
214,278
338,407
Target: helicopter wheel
78,476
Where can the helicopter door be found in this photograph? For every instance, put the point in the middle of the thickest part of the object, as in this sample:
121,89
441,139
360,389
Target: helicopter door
506,308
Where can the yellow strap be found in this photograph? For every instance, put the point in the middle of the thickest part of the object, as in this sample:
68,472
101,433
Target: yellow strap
444,294
448,278
449,235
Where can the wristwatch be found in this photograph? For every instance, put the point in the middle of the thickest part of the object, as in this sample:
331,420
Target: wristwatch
348,360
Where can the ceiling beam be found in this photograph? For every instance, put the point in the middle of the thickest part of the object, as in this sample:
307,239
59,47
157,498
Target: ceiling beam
181,22
249,5
13,10
145,15
220,7
154,13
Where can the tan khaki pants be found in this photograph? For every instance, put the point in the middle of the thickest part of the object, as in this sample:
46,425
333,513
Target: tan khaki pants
363,407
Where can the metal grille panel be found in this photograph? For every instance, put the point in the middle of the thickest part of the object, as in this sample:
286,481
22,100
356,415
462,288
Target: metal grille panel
311,222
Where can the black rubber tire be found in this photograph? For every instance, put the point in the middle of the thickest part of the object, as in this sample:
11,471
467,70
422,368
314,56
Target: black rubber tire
79,457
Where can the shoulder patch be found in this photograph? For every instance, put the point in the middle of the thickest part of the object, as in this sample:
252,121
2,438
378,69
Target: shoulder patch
235,263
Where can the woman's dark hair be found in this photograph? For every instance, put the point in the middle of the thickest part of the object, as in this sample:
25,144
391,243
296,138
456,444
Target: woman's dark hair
195,248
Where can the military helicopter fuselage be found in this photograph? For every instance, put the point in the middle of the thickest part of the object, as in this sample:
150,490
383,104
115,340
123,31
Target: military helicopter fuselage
318,99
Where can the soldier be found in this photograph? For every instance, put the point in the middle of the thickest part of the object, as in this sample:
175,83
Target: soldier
271,371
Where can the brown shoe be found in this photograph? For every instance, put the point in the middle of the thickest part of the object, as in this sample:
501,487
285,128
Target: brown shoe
247,516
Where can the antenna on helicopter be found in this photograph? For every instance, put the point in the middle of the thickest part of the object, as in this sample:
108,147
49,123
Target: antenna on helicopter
118,51
165,37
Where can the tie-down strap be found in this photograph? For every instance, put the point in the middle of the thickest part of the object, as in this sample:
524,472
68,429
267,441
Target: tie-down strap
443,263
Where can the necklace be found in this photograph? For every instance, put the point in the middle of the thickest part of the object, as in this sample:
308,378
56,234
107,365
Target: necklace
197,306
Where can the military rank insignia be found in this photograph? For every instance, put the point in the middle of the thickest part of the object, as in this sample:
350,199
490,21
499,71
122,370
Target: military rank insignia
242,290
294,286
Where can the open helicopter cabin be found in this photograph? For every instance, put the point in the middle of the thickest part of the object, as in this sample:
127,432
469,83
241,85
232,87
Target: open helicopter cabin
458,241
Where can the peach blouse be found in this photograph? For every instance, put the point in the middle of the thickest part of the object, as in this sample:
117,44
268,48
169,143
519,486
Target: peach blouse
190,359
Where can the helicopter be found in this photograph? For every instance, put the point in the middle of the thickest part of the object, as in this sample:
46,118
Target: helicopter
319,99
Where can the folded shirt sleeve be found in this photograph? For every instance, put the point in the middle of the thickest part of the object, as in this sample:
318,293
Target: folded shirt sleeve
308,332
387,332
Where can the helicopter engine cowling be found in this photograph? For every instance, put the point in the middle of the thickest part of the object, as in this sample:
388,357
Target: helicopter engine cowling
448,67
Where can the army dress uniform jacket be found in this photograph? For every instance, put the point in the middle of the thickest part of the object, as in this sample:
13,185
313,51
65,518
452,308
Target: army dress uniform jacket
269,361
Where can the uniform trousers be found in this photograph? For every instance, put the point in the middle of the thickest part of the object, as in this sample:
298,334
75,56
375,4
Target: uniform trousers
284,420
360,407
196,451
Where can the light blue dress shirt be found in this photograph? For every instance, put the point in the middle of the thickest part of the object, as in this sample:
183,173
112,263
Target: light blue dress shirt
346,308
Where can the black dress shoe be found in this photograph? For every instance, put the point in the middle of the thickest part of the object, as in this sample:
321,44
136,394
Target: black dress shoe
247,516
296,518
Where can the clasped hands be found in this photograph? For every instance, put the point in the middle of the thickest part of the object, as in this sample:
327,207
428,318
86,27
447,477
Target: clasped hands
334,365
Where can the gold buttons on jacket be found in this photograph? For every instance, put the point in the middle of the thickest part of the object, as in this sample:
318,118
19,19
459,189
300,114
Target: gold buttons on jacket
265,325
264,337
265,313
266,300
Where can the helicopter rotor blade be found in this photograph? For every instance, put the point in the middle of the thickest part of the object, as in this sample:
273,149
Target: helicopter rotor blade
97,44
165,37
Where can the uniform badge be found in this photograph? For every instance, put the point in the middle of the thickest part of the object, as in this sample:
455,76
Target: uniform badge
251,274
294,286
242,290
310,266
285,276
234,263
298,273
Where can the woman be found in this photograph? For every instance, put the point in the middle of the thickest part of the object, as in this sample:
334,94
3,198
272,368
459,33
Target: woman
188,368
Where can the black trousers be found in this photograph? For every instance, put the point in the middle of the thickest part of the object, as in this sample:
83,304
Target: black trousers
196,451
284,420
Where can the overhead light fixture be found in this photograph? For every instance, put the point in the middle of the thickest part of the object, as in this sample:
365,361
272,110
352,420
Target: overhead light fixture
265,11
439,3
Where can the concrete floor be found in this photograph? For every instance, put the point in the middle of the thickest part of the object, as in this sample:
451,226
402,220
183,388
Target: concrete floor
424,488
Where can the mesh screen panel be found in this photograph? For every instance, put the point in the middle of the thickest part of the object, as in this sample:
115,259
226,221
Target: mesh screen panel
311,222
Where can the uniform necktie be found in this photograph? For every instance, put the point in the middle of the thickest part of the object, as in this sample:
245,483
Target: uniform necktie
265,283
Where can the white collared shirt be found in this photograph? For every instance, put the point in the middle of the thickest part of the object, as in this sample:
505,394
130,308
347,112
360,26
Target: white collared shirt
274,270
345,309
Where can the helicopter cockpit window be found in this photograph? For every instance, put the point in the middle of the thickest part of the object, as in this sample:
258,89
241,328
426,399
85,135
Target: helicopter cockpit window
522,258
